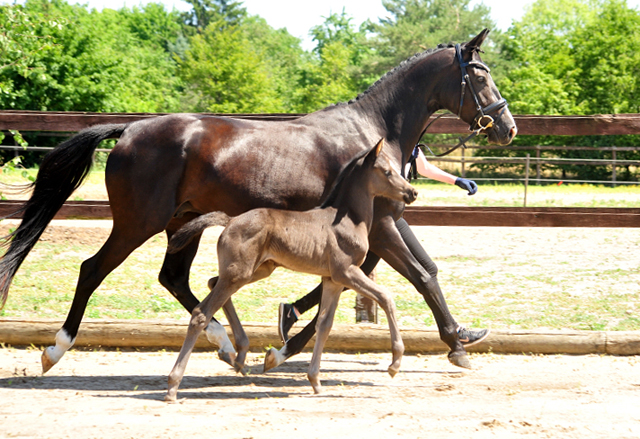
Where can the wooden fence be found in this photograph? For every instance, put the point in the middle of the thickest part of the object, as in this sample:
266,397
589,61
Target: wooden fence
599,124
604,124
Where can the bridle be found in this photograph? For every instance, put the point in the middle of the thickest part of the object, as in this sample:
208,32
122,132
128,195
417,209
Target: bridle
482,120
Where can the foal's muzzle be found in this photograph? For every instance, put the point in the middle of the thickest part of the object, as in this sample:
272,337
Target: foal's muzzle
410,195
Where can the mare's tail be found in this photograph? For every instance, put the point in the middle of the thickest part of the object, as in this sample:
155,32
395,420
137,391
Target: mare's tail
185,234
61,173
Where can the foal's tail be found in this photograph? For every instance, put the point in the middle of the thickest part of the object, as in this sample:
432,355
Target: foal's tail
185,234
61,173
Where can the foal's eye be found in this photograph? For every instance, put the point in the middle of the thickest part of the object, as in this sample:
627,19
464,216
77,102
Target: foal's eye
387,173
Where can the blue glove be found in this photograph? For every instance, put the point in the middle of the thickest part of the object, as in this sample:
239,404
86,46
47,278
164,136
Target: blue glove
467,185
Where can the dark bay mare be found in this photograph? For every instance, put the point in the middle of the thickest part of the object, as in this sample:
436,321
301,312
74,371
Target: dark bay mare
168,170
329,241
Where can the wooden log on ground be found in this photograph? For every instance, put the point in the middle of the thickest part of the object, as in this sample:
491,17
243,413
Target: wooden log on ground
163,334
623,343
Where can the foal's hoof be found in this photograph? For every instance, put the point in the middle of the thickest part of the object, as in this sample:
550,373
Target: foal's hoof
459,359
228,357
392,371
242,368
47,363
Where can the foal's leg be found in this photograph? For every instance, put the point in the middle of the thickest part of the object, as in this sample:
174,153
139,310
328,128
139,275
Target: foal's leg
199,320
330,296
359,282
174,276
296,344
385,241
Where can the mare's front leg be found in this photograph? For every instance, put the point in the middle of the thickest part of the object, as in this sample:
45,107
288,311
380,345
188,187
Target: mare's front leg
174,276
330,296
385,241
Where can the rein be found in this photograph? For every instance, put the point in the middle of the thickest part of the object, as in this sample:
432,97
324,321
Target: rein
482,120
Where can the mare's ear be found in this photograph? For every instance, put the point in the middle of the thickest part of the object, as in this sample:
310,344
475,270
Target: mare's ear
477,41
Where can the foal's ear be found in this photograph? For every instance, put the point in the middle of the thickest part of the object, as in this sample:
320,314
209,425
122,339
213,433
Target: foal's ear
477,41
379,146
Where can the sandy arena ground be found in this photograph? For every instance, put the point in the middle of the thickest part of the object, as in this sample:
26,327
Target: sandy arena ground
119,395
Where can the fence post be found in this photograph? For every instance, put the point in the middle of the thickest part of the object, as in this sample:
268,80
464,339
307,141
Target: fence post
538,165
526,179
613,166
462,171
367,309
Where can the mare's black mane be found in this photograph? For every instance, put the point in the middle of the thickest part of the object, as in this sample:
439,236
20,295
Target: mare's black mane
407,63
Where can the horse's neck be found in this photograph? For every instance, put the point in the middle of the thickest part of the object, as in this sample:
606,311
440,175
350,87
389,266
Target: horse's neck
402,103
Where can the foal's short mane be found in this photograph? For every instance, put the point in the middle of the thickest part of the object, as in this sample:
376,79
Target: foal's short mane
344,173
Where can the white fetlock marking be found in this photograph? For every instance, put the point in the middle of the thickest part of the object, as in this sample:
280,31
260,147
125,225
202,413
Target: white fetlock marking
278,355
217,335
63,344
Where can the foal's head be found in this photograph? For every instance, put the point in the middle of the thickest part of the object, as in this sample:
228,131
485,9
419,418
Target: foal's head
384,180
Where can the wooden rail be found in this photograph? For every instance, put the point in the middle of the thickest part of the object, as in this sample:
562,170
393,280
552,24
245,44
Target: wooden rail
598,124
424,216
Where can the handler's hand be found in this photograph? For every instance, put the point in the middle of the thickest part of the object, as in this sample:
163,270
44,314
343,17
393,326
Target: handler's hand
467,185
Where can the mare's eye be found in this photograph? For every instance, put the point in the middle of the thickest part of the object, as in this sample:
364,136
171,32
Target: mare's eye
387,173
481,79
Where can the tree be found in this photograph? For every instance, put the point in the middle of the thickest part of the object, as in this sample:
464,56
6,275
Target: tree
333,73
606,57
20,44
225,74
205,12
97,63
417,25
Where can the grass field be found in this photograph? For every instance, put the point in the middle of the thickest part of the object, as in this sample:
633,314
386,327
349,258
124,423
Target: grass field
492,277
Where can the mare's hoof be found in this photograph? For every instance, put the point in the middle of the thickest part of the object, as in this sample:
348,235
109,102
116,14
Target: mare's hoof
46,362
228,357
459,359
392,371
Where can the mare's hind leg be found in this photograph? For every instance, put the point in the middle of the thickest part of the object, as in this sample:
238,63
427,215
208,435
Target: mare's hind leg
174,276
330,296
92,272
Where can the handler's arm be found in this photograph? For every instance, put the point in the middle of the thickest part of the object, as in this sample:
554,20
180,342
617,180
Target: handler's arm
432,171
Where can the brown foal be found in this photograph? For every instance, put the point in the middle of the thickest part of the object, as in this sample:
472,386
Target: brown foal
330,241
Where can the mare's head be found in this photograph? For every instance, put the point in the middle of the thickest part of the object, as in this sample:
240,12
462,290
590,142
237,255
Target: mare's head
383,179
473,96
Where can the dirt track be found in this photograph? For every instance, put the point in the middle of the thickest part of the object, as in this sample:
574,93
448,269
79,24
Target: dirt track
119,395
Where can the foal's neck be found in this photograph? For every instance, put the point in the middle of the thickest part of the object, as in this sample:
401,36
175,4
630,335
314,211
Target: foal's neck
355,200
